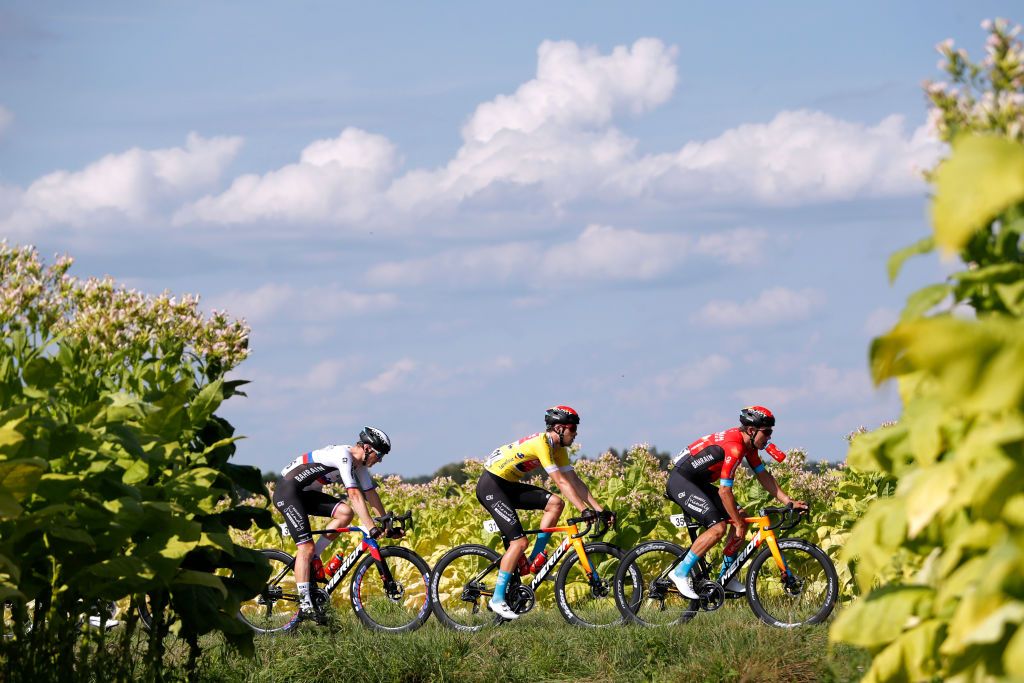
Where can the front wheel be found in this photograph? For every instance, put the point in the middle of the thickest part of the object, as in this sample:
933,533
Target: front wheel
461,586
271,610
588,599
392,594
804,593
644,593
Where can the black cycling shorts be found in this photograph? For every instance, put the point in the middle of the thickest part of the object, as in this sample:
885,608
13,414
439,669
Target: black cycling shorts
699,500
502,498
296,504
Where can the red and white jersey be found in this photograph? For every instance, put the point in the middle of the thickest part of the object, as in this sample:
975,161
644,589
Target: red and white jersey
329,465
716,456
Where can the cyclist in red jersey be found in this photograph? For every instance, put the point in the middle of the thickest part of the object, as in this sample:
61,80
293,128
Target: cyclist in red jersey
715,457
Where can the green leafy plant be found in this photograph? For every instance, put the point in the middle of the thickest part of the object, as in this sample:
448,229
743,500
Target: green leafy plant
956,520
115,480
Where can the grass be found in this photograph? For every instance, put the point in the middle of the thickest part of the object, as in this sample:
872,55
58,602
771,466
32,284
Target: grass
728,645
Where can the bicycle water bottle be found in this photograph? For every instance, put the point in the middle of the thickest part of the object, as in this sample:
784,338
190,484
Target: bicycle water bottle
334,563
538,562
775,452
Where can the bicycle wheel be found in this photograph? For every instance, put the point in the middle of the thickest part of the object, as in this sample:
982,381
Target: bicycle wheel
644,594
272,609
805,594
462,584
590,600
396,604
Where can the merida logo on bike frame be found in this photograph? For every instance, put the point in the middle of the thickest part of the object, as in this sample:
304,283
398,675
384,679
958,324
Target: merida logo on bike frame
552,561
343,569
735,567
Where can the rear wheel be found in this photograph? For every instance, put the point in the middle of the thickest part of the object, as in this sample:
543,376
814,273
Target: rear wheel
272,609
644,593
394,600
461,586
589,600
805,593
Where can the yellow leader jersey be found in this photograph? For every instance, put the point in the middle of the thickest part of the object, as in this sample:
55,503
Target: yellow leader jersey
515,460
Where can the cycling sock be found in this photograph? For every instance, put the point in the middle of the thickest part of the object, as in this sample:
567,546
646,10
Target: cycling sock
542,542
321,543
727,560
304,599
499,586
684,567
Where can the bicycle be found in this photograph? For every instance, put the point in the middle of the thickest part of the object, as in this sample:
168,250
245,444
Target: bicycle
388,590
463,580
803,590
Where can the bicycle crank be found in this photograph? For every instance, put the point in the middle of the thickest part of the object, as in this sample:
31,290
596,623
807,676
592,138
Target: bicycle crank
712,594
520,598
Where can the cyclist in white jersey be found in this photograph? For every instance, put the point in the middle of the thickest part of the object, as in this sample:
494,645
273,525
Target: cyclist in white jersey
298,494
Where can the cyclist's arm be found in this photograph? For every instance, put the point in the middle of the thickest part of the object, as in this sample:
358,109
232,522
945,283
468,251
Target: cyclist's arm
772,487
572,487
376,505
357,499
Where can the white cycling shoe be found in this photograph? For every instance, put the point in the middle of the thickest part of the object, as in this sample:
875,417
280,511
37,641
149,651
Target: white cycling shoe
684,586
501,608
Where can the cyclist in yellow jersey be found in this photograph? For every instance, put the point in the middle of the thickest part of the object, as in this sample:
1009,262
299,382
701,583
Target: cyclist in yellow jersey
501,492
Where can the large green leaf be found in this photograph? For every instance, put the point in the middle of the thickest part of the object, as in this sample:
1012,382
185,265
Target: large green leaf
982,177
882,616
205,403
18,479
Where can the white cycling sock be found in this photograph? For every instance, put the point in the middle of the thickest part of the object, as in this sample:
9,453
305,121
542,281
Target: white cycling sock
304,600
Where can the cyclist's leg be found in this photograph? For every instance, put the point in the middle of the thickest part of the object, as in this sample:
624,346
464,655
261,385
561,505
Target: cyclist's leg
552,511
320,504
492,494
288,499
703,504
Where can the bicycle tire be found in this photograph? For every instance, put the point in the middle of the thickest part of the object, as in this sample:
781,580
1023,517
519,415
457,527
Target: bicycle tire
397,608
650,600
776,603
581,603
272,609
456,603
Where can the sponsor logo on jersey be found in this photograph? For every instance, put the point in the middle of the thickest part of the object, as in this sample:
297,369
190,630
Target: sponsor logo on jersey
490,497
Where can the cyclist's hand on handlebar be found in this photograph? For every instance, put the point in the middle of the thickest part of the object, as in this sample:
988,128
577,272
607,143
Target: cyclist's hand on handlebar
800,505
589,515
376,532
396,532
609,517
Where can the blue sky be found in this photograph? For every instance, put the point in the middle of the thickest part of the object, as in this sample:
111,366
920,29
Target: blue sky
442,218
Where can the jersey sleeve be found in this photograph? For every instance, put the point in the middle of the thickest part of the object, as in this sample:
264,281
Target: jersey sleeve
733,455
364,479
552,459
341,458
754,460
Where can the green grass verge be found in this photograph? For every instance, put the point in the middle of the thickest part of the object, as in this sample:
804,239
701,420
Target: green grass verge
728,645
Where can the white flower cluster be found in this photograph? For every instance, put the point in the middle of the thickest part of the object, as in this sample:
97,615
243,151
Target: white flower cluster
46,302
986,96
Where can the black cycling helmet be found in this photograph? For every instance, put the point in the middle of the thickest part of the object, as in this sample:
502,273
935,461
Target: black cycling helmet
375,439
561,415
757,416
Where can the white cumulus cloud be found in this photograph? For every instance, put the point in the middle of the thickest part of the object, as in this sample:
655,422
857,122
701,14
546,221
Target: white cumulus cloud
772,306
335,180
579,87
133,185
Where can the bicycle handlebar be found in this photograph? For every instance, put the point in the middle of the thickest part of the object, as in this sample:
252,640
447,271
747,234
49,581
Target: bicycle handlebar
392,520
599,529
790,516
